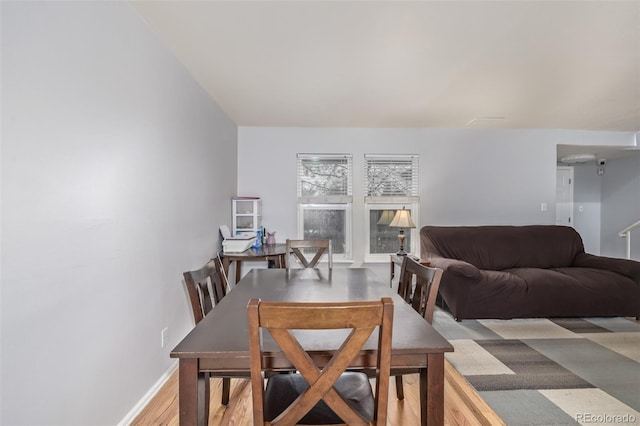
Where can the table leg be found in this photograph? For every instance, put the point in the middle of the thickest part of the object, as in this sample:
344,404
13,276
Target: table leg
188,392
432,391
238,270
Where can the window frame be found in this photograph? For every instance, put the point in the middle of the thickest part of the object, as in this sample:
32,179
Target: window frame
347,207
392,202
387,205
327,202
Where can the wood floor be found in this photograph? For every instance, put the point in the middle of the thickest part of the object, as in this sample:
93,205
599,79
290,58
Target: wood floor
463,406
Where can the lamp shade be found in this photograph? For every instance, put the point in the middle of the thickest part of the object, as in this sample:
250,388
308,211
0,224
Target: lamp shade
386,217
402,219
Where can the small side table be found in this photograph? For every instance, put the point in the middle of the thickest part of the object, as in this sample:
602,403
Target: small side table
395,260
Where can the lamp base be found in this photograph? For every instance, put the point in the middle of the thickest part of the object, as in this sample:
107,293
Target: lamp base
401,238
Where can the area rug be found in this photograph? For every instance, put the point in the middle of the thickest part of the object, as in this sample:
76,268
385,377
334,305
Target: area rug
564,371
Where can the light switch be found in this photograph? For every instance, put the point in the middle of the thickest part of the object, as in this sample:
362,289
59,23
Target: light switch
543,207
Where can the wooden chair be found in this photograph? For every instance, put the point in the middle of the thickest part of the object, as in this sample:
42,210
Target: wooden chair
297,247
200,296
317,395
423,299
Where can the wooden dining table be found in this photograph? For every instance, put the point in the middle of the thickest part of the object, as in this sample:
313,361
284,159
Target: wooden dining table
220,342
268,252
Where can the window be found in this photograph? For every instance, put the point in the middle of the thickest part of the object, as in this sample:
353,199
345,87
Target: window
391,183
324,200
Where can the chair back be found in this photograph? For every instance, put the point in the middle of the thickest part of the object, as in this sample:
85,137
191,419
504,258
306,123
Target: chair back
299,247
200,294
427,283
281,317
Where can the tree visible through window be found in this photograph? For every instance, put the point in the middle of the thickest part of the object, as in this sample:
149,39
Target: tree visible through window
391,184
325,198
324,176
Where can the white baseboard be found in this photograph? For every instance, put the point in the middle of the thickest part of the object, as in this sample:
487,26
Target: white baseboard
137,409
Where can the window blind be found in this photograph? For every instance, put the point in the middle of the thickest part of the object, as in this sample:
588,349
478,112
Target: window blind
392,175
324,176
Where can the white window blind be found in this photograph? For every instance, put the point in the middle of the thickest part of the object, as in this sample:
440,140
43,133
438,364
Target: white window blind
324,178
392,175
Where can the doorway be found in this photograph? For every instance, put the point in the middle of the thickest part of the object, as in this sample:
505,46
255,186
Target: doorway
564,196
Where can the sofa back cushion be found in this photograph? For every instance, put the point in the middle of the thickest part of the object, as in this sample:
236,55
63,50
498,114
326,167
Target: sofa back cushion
503,247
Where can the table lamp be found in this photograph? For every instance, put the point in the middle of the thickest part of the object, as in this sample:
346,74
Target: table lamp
402,220
386,217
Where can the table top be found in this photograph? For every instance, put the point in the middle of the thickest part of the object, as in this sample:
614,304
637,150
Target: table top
260,252
223,333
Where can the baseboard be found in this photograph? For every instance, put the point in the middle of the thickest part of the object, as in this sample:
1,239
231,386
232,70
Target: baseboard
137,409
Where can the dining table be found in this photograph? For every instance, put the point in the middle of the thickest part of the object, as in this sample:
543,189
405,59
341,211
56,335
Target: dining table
220,342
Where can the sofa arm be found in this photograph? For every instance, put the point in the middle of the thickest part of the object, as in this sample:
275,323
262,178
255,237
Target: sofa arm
456,266
629,268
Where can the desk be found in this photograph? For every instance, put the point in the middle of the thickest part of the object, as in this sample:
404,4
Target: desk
220,342
264,252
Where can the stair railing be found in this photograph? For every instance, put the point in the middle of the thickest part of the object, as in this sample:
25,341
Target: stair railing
626,233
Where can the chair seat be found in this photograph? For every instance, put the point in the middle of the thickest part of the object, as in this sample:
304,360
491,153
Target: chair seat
283,389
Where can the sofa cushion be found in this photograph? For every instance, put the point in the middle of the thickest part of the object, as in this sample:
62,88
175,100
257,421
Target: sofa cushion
575,292
503,247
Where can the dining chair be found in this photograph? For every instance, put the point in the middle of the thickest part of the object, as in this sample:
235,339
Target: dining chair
203,285
422,298
201,296
299,247
319,394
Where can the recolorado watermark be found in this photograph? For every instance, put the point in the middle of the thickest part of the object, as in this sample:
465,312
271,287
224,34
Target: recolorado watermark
605,418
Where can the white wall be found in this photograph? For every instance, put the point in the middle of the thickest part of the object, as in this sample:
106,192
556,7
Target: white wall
620,205
117,170
468,177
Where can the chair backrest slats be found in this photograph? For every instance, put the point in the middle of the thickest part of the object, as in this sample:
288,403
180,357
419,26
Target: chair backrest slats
298,247
427,283
201,297
281,317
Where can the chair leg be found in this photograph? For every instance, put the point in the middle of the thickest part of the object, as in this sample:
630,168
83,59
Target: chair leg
399,388
226,387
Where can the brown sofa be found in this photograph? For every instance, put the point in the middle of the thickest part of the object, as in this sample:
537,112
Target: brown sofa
508,272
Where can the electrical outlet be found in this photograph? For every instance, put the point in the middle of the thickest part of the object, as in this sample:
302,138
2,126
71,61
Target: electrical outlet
164,336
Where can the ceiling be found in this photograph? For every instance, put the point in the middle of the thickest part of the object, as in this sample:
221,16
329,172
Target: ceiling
445,64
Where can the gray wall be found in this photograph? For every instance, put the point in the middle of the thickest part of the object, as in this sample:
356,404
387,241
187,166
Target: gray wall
620,205
117,170
467,177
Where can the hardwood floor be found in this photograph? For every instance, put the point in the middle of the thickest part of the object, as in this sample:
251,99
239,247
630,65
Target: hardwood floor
463,406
